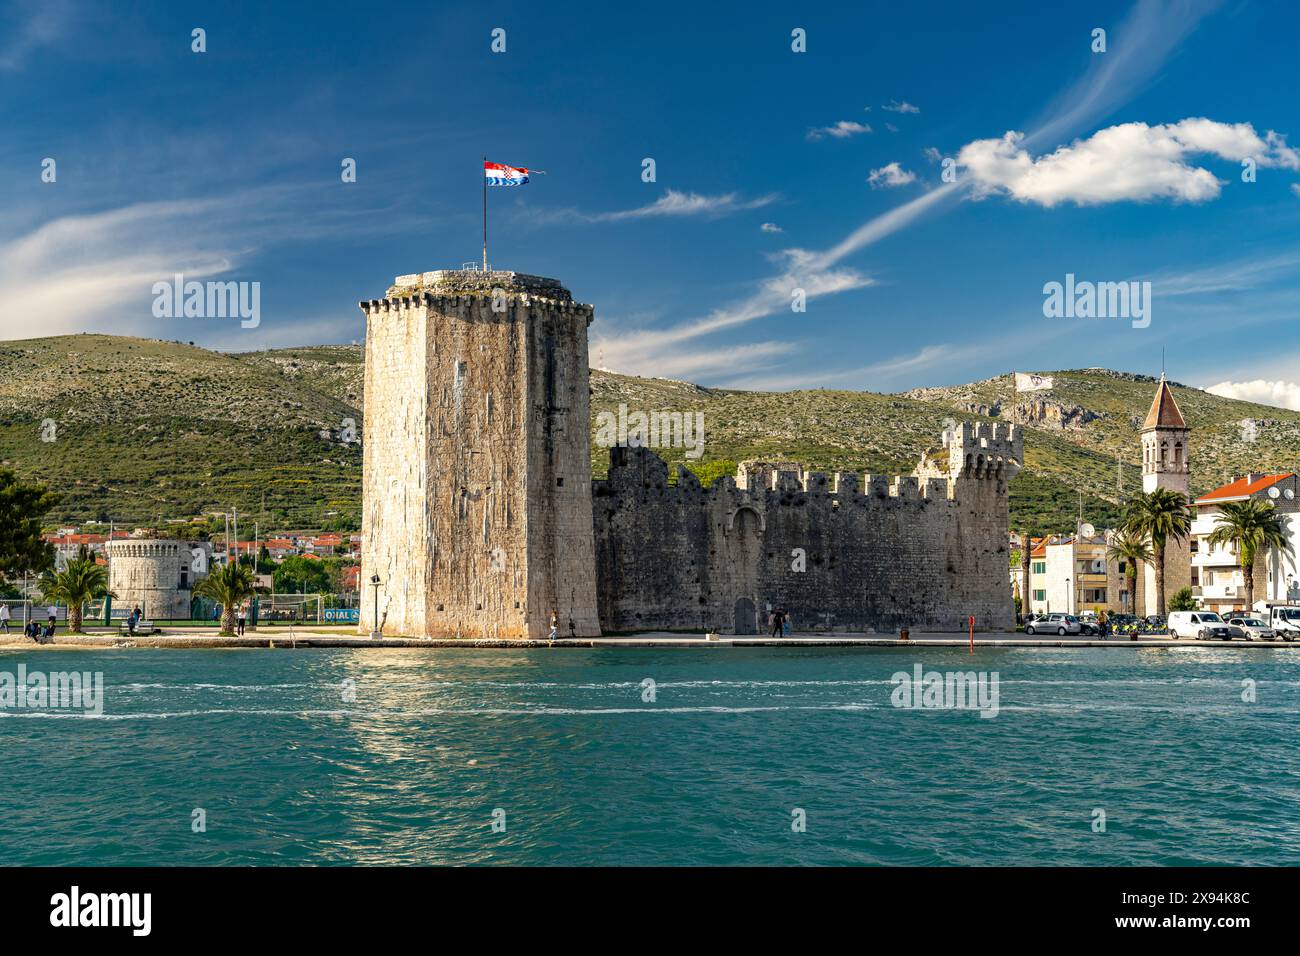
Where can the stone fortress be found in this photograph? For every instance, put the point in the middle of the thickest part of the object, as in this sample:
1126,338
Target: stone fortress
481,520
156,574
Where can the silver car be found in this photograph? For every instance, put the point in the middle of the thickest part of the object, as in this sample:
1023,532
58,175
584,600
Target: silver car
1054,623
1255,629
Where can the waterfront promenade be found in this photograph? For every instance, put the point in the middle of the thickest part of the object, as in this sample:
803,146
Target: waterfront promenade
325,637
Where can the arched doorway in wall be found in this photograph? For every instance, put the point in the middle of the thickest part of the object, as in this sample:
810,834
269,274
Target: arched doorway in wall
745,534
746,616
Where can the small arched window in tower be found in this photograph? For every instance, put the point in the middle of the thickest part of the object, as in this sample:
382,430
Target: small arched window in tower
1178,453
1164,453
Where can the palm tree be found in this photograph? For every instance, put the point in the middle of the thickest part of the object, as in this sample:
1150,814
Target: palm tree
1132,551
228,585
1157,516
1026,557
81,581
1249,526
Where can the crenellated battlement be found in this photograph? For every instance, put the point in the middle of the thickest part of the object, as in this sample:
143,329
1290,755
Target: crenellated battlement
840,551
632,466
985,450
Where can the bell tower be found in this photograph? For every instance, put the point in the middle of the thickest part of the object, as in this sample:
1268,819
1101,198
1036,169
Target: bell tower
1164,444
1165,465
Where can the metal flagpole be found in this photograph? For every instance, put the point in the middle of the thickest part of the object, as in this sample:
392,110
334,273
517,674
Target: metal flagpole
485,213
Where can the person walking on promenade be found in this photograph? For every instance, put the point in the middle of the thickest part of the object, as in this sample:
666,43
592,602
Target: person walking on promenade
778,622
53,613
786,626
242,618
555,627
4,617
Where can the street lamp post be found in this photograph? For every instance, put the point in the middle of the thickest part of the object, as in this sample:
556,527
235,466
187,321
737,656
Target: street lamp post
1069,597
375,635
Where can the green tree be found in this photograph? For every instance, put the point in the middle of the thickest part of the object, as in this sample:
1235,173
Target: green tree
81,581
299,574
228,585
1158,516
1249,527
22,508
1131,550
1182,600
1026,559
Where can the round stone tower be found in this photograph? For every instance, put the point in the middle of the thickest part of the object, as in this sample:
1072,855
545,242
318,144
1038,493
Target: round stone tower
153,573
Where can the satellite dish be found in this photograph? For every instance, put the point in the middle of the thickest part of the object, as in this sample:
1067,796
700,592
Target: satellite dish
1087,530
1274,492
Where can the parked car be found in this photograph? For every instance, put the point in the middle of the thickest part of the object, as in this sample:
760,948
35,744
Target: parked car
1054,623
1285,621
1256,630
1202,625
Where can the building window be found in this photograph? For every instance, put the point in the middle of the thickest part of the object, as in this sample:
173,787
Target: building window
1094,595
1040,594
1040,567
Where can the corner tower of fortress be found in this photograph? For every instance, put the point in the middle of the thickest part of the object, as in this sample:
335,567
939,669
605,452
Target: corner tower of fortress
476,511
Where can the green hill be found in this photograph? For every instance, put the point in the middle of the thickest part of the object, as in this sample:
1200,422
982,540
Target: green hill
149,430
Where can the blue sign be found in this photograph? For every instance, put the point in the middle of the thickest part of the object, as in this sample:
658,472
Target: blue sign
342,615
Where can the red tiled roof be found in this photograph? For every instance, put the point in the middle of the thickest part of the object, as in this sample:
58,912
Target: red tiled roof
1164,410
1241,488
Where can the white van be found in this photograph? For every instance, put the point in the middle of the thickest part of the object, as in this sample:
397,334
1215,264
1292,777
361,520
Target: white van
1284,619
1202,625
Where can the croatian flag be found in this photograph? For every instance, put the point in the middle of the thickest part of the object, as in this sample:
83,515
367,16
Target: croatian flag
500,175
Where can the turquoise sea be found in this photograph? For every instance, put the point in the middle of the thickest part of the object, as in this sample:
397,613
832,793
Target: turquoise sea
290,767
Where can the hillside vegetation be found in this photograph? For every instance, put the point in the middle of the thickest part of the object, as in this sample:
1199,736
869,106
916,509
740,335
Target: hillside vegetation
147,430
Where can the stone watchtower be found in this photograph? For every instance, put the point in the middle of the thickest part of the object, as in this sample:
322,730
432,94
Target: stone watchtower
1165,465
477,465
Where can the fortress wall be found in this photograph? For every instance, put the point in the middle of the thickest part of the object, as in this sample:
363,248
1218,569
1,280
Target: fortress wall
921,551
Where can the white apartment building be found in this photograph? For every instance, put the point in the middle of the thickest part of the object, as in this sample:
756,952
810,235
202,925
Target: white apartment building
1217,579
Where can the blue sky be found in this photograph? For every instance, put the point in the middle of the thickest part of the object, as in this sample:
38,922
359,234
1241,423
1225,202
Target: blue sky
1120,166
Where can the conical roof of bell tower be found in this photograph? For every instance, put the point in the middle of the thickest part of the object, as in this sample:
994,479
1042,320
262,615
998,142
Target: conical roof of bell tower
1164,410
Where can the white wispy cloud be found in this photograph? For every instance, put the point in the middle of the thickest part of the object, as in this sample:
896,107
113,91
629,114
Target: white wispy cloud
95,271
770,227
1151,33
672,204
648,352
841,130
1281,394
675,203
1295,189
904,107
1137,50
890,175
30,26
1132,161
1247,273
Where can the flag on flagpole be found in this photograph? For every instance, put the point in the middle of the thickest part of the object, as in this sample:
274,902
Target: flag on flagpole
498,174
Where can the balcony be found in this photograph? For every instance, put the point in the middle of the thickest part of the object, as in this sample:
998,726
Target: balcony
1220,592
